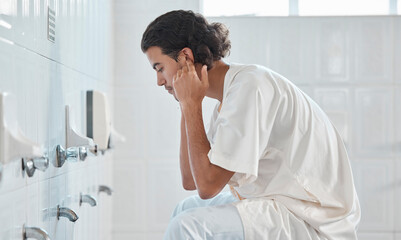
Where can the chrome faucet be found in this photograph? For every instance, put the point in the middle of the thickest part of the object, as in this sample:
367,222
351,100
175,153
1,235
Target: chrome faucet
83,153
87,199
67,213
34,232
72,153
106,189
29,165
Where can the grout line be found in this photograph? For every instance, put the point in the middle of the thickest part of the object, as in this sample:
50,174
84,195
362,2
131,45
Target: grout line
55,61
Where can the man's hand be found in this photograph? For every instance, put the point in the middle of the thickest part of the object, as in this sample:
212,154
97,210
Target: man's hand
208,179
188,88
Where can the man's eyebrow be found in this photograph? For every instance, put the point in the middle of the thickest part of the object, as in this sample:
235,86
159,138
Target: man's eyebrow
154,65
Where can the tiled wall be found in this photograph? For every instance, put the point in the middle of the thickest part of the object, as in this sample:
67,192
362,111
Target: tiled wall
46,76
349,65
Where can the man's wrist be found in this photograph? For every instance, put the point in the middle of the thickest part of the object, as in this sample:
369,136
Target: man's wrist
190,105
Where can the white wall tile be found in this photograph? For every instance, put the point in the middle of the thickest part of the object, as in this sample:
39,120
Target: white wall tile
18,204
104,200
333,64
373,50
7,61
86,227
132,67
336,103
6,215
288,46
164,180
373,122
397,186
246,33
307,90
376,195
8,13
397,126
155,7
131,116
163,129
130,203
25,65
397,50
32,204
45,222
155,235
24,32
286,51
75,183
375,236
57,228
13,177
118,235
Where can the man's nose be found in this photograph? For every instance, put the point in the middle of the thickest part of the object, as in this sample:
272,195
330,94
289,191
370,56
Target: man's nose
160,80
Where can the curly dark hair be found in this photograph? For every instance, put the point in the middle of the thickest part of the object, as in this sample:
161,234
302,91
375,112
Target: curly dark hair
178,29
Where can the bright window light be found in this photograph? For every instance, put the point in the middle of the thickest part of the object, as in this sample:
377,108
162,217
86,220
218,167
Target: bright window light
247,7
399,6
343,7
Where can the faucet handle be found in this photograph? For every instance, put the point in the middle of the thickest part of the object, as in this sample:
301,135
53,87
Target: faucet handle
72,154
34,232
31,164
61,156
41,163
106,189
83,153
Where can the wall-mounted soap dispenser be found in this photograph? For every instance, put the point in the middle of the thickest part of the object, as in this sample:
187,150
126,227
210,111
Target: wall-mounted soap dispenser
13,144
98,122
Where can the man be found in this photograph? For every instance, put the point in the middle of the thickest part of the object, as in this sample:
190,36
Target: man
285,163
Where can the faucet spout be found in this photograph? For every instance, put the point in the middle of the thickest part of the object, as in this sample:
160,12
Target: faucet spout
34,232
67,213
106,189
87,199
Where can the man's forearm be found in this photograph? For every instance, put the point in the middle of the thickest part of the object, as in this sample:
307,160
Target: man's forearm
186,174
209,179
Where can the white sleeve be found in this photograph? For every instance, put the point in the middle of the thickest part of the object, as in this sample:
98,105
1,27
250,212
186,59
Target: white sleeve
241,129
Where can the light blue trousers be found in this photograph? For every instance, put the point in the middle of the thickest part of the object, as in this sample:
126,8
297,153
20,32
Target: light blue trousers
216,218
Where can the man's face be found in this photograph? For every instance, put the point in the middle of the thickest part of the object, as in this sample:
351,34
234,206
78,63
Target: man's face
165,67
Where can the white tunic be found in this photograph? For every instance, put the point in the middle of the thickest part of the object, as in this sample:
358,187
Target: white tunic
282,146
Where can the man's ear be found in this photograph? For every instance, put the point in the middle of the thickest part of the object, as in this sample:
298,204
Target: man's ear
187,54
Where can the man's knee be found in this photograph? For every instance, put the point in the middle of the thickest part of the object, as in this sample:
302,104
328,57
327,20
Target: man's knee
187,203
183,226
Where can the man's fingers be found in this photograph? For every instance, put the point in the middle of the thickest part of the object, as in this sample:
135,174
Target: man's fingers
190,65
204,76
184,69
179,73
